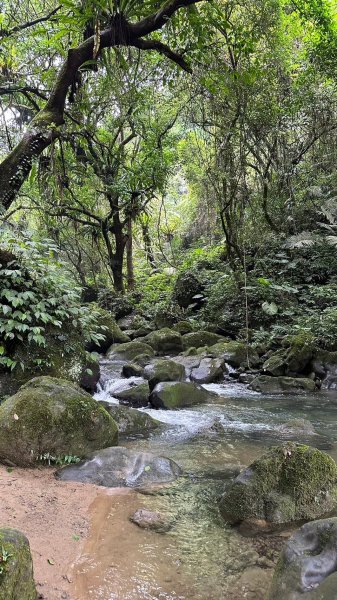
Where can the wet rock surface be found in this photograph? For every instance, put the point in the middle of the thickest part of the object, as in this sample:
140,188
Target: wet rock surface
149,519
307,567
117,467
172,395
129,420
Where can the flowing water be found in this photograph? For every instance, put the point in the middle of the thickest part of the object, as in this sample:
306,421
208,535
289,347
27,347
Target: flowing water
200,557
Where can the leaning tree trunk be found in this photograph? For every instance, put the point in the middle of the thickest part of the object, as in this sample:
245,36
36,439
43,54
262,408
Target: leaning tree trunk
43,129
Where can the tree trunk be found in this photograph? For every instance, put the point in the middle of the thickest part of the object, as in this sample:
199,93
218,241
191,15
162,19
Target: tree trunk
129,258
16,167
148,245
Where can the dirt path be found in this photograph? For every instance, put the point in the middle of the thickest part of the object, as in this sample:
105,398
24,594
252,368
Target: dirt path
54,516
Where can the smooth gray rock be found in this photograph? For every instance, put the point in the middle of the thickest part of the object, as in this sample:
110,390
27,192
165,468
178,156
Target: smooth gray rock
209,370
116,467
307,567
149,519
137,395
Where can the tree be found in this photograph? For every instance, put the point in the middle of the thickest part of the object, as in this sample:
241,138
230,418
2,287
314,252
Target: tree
113,28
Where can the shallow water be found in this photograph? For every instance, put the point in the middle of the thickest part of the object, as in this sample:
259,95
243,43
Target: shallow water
200,557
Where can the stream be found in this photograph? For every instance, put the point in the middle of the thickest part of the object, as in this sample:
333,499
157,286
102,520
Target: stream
200,557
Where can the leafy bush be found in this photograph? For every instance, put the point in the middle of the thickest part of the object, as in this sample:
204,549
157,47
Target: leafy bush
37,296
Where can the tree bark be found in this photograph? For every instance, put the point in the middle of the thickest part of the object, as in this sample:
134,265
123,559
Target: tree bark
43,129
129,257
148,245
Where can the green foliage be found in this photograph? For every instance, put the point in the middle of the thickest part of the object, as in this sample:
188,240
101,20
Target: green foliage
4,558
37,296
47,458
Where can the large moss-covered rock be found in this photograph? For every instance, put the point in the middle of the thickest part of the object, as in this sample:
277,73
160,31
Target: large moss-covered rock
208,370
187,285
16,572
183,327
107,326
136,395
129,420
289,483
172,395
199,339
53,417
129,351
164,341
235,353
164,370
307,565
294,358
282,385
116,467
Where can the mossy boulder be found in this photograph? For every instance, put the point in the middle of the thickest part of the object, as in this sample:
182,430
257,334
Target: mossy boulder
183,327
198,339
307,565
137,395
234,353
107,327
53,417
163,370
172,395
282,385
132,370
129,351
164,341
291,482
295,358
129,420
16,572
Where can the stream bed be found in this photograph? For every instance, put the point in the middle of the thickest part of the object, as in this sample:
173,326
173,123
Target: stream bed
200,557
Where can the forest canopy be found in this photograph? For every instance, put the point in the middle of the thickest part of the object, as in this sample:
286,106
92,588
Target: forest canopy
177,158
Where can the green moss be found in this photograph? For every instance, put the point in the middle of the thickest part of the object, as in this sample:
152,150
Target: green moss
55,417
16,581
289,482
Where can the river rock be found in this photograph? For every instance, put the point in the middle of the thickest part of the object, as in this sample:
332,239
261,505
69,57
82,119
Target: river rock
149,519
172,395
307,564
137,395
282,385
16,578
183,327
52,417
291,482
132,370
163,370
108,328
130,421
234,353
198,339
129,351
209,370
164,341
300,427
324,365
116,467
